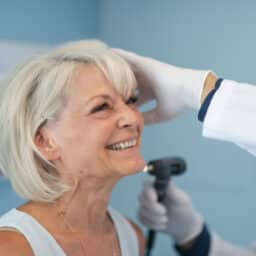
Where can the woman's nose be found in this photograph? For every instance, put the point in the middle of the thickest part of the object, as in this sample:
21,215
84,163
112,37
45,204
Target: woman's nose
129,117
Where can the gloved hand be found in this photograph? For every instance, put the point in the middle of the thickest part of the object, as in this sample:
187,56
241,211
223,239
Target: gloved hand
174,216
173,88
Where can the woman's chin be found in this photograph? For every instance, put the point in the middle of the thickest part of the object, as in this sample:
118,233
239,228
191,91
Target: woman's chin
132,167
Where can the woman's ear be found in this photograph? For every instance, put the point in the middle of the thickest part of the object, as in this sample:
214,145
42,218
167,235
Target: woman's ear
46,145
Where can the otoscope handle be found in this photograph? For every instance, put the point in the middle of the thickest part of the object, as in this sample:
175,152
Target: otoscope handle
150,241
160,185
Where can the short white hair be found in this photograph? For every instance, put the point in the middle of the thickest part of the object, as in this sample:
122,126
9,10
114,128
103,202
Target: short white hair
33,94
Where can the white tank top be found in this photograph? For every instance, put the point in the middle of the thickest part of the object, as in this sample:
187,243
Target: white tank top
43,243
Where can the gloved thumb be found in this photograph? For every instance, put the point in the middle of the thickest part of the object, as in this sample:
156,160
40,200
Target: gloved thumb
131,57
177,195
155,116
150,117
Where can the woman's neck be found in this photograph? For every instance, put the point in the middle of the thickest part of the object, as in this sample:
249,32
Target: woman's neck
85,207
81,210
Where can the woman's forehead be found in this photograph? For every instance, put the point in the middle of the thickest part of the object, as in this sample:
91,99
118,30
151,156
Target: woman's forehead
89,80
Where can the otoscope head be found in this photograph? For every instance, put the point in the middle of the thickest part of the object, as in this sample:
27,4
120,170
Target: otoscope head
166,167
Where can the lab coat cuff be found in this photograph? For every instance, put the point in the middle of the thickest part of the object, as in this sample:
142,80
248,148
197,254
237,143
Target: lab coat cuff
200,247
205,105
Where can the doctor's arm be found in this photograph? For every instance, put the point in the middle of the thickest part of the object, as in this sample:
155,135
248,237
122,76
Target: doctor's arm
228,114
178,218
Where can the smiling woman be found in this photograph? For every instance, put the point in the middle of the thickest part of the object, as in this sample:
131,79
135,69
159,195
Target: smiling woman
70,130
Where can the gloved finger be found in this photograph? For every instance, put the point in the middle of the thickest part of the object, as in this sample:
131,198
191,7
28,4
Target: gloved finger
142,74
156,220
131,57
145,92
149,181
150,117
157,115
153,226
148,193
155,211
137,60
144,97
148,201
177,195
152,222
151,205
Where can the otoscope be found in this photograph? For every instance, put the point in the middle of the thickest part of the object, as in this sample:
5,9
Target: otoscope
163,169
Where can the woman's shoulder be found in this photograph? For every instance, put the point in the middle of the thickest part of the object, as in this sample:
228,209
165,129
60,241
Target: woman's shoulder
13,243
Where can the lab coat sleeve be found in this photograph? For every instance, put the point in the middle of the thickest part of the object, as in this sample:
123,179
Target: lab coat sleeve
220,247
231,115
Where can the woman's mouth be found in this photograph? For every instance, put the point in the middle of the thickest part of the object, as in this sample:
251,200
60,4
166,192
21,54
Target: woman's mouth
122,145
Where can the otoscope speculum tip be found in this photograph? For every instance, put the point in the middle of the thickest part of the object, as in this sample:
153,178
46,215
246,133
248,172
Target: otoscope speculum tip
148,168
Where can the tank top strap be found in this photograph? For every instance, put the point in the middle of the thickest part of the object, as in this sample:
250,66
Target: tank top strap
126,234
40,240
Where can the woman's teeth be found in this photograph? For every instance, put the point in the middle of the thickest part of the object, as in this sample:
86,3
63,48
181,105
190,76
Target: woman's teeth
122,145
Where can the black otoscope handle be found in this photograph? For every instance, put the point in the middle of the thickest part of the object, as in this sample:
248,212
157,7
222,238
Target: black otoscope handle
160,185
163,169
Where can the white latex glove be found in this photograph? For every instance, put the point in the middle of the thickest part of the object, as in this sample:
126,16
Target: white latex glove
175,216
174,89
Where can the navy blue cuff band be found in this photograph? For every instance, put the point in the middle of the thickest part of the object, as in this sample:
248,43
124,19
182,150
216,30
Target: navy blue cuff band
204,107
200,247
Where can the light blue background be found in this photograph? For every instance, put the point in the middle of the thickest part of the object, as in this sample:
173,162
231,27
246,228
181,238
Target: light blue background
217,35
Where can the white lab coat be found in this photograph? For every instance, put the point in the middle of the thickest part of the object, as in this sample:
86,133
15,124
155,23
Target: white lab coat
231,116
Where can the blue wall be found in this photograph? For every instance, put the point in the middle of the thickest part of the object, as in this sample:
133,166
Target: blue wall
201,34
48,21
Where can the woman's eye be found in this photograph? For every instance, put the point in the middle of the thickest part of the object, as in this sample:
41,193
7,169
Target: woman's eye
101,107
132,100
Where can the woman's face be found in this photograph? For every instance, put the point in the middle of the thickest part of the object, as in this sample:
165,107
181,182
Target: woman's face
98,133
